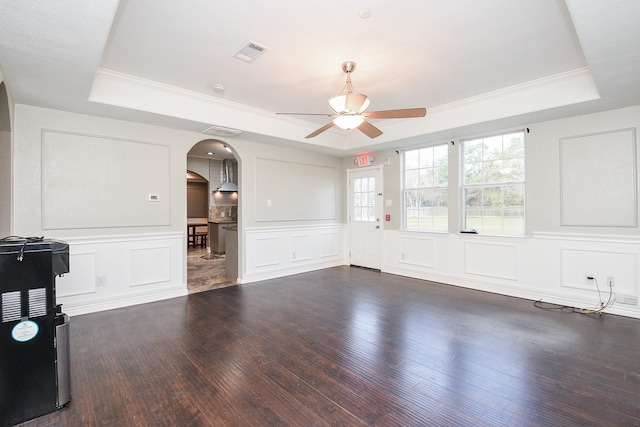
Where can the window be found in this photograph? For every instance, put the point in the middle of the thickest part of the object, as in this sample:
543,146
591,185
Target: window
493,184
426,188
364,199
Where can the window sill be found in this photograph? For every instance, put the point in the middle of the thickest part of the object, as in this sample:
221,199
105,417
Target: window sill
493,237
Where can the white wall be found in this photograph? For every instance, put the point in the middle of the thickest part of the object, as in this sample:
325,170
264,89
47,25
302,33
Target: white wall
118,254
550,262
5,160
115,271
543,167
115,263
274,246
30,124
199,166
289,165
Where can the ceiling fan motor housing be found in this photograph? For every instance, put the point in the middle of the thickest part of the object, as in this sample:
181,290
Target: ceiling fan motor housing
348,66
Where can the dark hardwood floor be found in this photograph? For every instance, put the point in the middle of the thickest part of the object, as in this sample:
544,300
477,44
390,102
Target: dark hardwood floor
348,346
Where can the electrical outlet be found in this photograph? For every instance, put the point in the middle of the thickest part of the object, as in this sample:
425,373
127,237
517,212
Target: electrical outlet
611,282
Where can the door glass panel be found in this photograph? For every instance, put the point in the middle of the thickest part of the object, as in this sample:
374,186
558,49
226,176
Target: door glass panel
364,199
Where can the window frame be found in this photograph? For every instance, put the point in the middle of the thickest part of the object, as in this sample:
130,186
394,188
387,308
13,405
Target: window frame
443,188
464,186
368,205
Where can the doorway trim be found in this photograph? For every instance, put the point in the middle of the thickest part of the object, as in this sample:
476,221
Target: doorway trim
376,231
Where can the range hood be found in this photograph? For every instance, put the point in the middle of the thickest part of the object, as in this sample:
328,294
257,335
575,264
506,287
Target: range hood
228,167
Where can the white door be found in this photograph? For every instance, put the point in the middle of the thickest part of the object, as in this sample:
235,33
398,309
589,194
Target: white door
365,213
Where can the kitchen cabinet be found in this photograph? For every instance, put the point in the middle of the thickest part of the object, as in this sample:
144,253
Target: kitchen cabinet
217,235
231,248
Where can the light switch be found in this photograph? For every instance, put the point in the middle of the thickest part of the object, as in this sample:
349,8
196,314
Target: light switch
387,202
268,203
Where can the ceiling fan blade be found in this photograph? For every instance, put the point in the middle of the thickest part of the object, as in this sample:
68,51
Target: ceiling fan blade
370,130
397,114
308,114
319,131
355,101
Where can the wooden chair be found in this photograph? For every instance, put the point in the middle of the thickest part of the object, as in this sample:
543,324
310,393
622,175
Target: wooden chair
200,238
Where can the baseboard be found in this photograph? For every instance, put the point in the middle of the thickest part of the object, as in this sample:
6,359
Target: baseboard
276,273
511,290
85,307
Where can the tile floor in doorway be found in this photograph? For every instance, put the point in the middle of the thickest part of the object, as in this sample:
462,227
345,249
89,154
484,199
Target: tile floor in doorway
206,272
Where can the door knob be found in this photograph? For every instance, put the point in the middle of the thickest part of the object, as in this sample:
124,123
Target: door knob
377,226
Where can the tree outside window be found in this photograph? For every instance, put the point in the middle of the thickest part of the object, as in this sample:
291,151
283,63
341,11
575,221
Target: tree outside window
494,184
426,182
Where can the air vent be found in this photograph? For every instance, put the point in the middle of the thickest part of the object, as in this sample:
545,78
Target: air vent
37,302
221,131
250,51
11,306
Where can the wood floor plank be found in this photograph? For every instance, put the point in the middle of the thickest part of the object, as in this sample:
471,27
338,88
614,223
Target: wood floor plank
160,407
318,374
218,410
311,399
281,400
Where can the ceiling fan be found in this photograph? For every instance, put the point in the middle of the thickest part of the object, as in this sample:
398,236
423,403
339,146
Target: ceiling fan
350,110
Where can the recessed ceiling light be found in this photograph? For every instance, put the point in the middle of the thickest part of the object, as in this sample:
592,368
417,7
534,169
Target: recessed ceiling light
210,153
365,13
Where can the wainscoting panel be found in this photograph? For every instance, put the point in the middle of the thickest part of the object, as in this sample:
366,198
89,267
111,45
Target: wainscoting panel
417,251
576,264
544,266
267,249
301,247
150,266
108,272
280,251
490,260
328,245
69,199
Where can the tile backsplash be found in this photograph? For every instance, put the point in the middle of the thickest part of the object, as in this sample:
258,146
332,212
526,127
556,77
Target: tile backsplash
221,213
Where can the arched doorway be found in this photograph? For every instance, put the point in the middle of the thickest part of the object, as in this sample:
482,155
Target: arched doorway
212,165
5,162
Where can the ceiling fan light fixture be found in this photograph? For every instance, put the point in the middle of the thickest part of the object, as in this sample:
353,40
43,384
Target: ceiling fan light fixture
339,104
349,110
348,122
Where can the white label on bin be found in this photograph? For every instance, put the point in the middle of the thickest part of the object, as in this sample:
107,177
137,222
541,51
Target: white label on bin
25,331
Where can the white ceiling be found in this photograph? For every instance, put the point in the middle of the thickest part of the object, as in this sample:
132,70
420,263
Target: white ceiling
476,66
